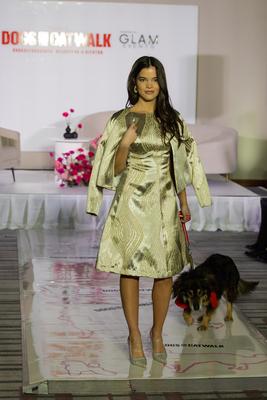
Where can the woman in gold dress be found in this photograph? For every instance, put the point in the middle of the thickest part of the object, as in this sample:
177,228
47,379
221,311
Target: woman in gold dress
147,156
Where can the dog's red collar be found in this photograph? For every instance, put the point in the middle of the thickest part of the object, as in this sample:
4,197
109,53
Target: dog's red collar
213,300
180,304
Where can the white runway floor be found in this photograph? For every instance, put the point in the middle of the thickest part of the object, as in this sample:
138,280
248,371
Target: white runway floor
75,334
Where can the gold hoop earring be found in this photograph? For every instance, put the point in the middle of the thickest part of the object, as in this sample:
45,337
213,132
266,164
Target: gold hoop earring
135,90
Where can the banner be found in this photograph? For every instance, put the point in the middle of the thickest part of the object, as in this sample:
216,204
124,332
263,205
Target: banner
61,55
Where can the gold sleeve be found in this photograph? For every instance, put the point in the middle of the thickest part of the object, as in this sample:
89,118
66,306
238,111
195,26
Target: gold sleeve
103,167
194,170
95,192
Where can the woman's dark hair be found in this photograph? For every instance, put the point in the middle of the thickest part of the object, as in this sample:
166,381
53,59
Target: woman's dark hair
169,119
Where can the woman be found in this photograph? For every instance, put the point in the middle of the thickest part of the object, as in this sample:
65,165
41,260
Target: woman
147,155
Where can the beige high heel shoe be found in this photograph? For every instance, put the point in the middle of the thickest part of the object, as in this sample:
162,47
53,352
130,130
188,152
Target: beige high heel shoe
160,357
138,361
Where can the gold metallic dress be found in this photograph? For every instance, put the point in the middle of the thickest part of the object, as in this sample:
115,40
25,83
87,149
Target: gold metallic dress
142,235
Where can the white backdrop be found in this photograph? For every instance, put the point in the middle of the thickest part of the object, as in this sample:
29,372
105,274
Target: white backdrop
45,68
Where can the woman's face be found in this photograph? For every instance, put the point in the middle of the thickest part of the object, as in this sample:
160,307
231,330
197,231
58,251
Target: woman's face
147,84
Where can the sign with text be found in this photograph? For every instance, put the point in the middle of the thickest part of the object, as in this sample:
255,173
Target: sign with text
60,55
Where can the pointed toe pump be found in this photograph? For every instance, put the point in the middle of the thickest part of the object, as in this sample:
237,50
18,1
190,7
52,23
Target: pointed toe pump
137,361
161,356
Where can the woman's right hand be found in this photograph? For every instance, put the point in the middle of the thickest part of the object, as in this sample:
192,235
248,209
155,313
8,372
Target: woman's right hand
129,136
124,147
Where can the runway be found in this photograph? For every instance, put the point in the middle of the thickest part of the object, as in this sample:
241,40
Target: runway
74,333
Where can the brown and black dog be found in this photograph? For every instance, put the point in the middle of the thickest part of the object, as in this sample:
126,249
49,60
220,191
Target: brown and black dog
203,287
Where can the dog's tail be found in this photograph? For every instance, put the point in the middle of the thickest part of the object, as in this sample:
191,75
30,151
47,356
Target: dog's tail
246,286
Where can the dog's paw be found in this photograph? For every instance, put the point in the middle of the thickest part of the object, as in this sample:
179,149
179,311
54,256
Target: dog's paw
188,319
202,328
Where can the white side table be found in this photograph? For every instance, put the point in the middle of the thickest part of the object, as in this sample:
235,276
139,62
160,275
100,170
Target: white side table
65,145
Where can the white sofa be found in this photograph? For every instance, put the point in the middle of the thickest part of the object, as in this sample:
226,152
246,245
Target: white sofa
217,145
9,149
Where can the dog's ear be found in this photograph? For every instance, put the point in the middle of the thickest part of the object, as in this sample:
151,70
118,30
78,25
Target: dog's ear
179,285
176,288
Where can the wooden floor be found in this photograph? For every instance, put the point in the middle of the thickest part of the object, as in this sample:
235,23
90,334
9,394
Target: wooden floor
203,244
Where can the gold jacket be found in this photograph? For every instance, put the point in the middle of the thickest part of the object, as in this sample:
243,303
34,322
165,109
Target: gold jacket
187,166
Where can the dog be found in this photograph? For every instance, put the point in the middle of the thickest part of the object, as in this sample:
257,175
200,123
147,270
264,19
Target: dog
202,288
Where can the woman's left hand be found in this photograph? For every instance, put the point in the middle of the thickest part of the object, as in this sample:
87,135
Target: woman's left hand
186,213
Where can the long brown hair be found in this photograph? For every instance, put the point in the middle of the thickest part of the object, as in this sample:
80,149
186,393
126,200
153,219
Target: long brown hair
169,119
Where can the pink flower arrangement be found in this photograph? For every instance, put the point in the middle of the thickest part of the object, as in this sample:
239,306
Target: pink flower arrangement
67,116
74,167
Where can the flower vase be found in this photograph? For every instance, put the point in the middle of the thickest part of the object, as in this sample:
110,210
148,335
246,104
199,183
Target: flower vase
70,135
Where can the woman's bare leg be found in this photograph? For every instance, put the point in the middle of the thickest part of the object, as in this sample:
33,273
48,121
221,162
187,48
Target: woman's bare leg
129,289
161,295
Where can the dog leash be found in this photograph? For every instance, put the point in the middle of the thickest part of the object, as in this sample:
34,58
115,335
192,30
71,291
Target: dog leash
190,258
